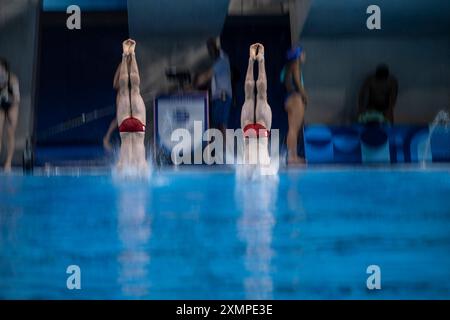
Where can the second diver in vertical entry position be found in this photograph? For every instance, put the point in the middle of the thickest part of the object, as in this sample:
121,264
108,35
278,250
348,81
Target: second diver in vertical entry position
131,113
256,123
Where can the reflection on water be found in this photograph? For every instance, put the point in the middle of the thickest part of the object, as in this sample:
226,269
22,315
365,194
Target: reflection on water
134,232
255,228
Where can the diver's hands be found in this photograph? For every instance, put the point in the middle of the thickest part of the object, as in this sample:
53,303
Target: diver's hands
132,46
128,47
257,52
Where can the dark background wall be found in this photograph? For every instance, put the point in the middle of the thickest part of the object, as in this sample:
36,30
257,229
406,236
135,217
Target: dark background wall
337,67
76,74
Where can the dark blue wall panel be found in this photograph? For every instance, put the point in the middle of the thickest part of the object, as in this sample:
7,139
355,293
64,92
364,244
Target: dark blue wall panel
76,73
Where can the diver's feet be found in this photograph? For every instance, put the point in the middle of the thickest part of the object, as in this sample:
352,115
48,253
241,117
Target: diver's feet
260,52
253,49
126,47
132,47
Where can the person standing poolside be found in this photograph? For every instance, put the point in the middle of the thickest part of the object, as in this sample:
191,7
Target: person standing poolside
131,114
296,100
221,93
9,110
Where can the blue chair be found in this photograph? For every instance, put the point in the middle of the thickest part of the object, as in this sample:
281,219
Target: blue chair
440,145
375,145
318,144
397,142
347,145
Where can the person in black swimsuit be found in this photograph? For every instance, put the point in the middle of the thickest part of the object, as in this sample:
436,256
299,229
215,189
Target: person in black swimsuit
9,110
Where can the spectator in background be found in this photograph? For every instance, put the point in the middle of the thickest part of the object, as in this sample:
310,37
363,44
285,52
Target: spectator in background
378,96
219,75
9,109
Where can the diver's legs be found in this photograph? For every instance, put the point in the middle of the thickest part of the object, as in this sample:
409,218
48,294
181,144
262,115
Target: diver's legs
134,70
248,109
138,111
249,80
124,76
261,83
123,96
263,112
247,112
137,103
124,109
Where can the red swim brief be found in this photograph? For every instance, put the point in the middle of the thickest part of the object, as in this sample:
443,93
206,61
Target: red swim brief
131,125
255,130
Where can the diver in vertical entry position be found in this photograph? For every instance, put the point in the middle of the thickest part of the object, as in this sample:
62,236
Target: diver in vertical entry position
256,124
131,113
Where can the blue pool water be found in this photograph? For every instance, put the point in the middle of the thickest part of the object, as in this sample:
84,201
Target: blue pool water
205,235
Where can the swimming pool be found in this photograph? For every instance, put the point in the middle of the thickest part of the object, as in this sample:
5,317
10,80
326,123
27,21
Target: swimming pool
203,234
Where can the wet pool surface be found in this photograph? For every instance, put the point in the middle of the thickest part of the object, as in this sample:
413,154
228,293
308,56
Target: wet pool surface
311,234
